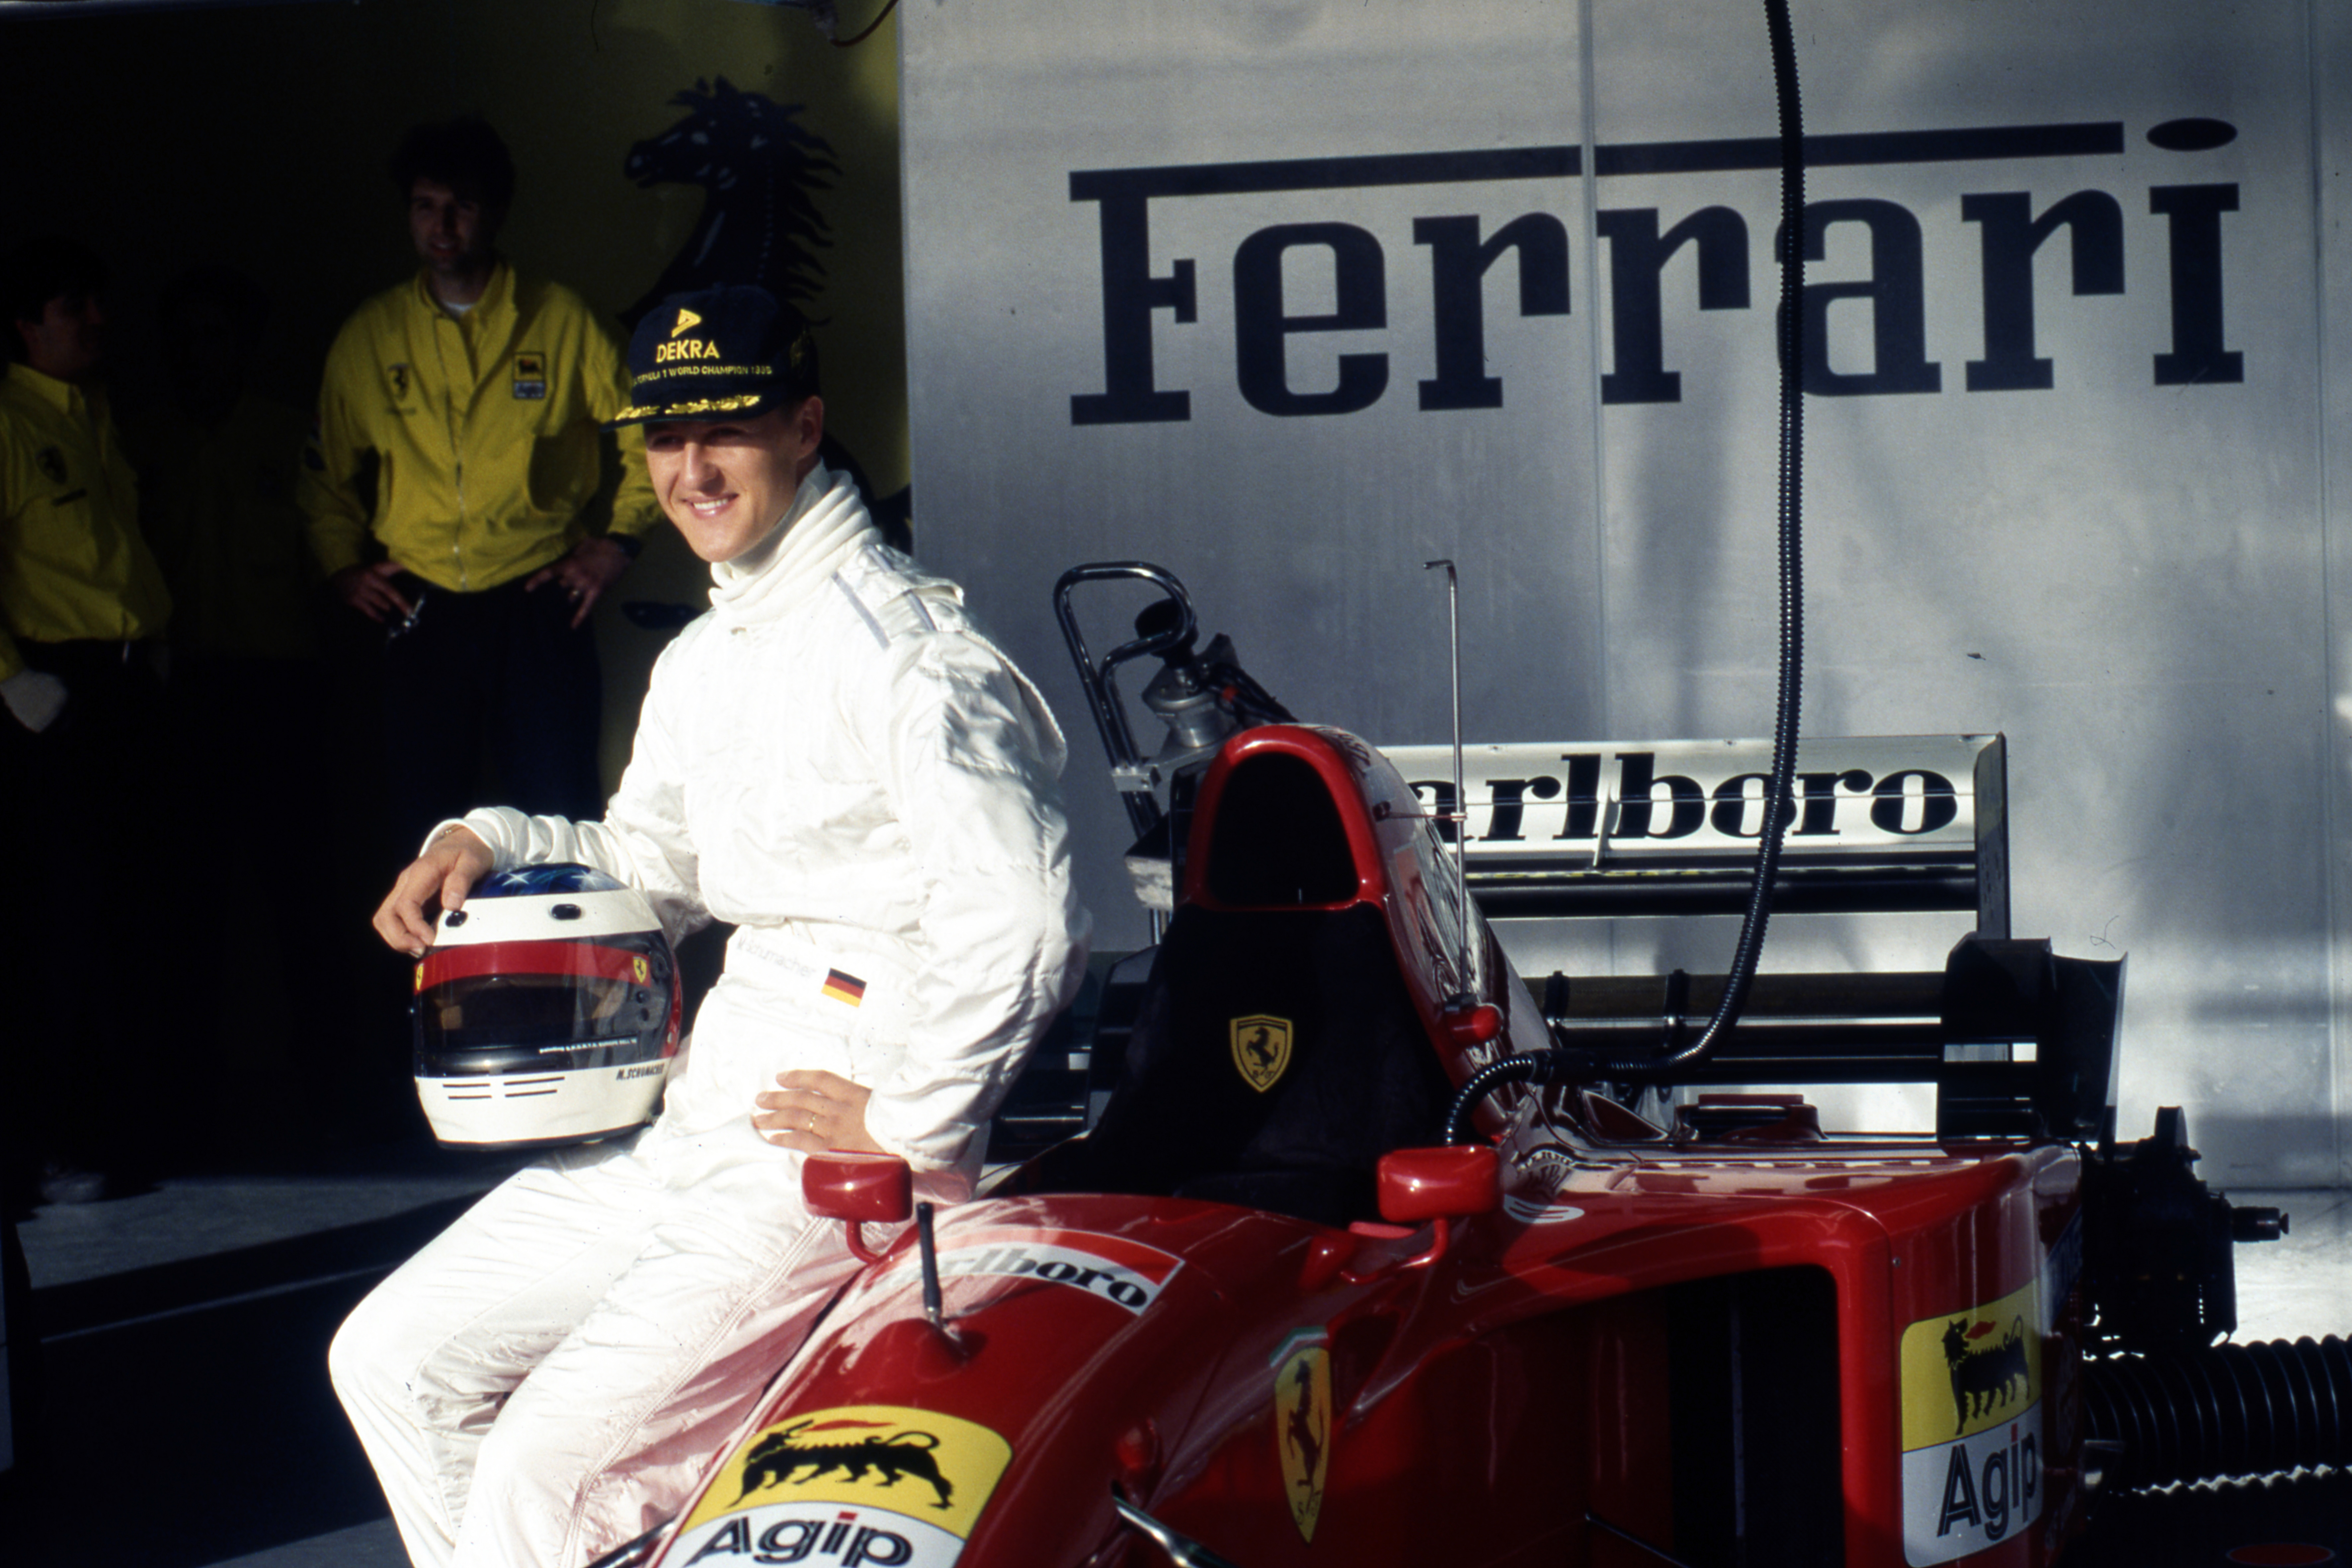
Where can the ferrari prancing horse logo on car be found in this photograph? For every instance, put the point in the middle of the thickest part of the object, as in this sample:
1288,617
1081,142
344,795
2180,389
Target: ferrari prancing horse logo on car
1261,1049
1302,1431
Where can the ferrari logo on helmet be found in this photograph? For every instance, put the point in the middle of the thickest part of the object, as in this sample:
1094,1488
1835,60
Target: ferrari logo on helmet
641,969
1261,1049
685,318
1302,1431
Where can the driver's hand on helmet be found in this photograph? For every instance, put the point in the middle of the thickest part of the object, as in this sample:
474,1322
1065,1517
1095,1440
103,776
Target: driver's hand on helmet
434,882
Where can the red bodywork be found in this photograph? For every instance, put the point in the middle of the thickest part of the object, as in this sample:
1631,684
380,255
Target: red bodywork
1652,1347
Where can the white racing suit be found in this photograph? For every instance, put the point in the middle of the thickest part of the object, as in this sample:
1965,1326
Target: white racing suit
837,762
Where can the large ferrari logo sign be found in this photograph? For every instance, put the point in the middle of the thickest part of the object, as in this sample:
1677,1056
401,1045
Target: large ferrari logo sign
1261,1049
1302,1431
868,1483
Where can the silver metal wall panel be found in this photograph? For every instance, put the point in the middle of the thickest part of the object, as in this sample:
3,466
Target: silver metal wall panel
2330,64
2125,569
1303,536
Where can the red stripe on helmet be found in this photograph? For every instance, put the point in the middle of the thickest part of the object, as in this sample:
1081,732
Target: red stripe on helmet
447,963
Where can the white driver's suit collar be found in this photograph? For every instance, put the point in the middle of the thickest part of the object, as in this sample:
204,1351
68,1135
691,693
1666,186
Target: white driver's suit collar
823,527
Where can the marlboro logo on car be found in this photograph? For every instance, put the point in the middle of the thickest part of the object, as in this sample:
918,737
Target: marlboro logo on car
1124,1273
1619,799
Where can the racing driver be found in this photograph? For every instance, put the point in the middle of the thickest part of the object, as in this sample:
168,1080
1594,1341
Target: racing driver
837,761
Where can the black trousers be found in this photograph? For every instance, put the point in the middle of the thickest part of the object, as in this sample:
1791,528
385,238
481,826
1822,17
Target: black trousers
489,699
91,900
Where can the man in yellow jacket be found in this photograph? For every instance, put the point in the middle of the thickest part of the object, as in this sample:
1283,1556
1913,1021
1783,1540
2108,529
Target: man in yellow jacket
459,442
82,606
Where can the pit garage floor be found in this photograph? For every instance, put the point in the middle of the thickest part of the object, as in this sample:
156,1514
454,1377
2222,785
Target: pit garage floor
184,1417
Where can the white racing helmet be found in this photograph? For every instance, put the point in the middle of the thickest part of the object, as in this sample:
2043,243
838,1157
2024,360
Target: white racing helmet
547,1011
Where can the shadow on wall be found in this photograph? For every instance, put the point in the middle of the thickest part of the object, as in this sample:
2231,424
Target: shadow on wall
2291,1149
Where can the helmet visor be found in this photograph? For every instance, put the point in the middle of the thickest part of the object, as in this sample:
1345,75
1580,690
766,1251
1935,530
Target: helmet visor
553,1006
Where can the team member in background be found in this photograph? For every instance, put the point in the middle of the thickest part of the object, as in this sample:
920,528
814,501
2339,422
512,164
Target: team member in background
838,761
82,608
467,403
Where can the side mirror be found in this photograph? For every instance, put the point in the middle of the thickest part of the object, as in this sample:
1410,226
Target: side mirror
858,1189
1442,1185
1450,1182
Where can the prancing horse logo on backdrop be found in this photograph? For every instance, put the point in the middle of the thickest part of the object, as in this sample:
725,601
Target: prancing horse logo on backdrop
760,170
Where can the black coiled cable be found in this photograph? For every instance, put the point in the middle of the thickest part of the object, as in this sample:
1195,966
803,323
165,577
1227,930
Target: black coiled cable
2229,1410
1551,1067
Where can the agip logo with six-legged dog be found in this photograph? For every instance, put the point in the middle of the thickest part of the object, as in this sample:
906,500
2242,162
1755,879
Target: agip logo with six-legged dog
863,1486
1971,1427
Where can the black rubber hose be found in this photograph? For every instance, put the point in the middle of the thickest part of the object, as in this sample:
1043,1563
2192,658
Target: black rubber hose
1782,788
2227,1410
1583,1066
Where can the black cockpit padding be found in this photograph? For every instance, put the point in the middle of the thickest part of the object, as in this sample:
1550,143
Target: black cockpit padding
1278,840
1361,1077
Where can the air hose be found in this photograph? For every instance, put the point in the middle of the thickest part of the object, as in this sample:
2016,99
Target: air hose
1558,1066
2228,1410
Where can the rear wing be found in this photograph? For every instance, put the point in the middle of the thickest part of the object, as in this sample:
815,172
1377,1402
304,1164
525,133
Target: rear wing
1669,828
2017,1040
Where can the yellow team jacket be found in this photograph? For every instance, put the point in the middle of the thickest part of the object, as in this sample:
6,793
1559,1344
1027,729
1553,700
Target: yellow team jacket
484,430
72,563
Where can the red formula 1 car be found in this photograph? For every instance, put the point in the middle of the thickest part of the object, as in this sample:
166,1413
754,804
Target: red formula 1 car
1360,1261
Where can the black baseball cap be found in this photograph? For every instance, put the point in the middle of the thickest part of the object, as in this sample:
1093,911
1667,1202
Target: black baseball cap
734,352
